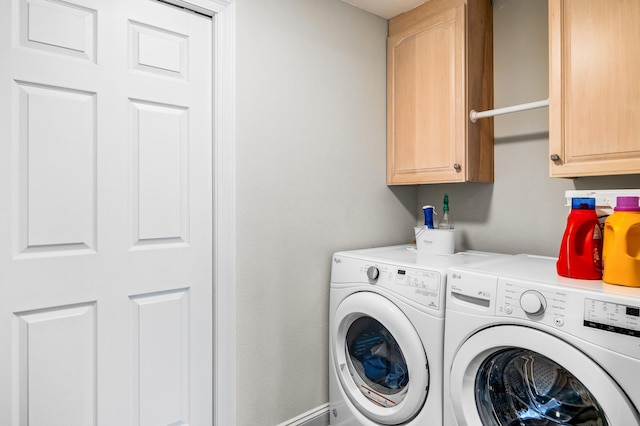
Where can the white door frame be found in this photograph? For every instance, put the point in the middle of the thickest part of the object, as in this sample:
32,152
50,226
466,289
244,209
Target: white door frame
224,215
223,13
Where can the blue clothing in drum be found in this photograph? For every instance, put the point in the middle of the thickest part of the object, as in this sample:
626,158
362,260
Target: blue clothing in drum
380,356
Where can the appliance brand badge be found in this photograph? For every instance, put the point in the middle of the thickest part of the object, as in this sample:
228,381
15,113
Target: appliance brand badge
456,276
337,260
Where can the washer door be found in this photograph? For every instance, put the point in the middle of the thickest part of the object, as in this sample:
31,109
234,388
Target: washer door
379,358
510,375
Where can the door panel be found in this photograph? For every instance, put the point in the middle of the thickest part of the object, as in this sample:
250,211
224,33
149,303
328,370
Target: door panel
105,214
57,27
159,152
56,353
161,326
56,181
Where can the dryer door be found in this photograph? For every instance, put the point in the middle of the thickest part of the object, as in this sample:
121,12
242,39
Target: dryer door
379,358
512,375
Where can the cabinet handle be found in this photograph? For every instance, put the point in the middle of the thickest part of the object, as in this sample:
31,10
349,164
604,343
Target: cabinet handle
554,157
457,166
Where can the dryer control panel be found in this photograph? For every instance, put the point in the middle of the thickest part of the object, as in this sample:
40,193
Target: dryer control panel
422,283
419,285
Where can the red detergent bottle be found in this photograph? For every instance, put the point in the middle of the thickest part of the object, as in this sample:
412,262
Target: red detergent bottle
581,249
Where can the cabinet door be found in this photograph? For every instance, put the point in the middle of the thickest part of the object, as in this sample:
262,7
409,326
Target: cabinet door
594,125
426,101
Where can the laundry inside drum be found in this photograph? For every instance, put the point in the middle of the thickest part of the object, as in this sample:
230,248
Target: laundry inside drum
376,362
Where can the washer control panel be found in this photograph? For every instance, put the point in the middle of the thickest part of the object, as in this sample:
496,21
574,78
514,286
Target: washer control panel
533,302
613,317
519,300
607,320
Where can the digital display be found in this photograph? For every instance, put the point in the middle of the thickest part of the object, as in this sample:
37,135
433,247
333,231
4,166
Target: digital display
612,317
634,312
401,272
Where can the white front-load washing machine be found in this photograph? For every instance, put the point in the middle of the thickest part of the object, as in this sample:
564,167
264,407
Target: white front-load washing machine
386,335
524,346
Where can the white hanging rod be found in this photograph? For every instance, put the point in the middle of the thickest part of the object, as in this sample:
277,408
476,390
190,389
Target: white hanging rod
475,115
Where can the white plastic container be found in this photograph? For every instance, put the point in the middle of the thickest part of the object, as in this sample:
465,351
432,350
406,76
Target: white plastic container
435,241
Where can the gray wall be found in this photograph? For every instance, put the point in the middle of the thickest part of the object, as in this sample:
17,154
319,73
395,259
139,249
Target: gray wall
524,210
311,180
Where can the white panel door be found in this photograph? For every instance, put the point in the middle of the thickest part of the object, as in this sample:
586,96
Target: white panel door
105,214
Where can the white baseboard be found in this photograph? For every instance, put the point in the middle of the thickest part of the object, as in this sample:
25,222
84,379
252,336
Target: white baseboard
318,416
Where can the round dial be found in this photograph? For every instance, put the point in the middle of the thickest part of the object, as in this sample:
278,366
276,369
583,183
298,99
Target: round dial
373,273
533,302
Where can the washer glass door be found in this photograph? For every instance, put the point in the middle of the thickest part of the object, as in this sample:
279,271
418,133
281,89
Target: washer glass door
510,375
518,386
379,359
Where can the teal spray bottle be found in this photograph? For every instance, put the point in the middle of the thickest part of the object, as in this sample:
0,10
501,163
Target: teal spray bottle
446,222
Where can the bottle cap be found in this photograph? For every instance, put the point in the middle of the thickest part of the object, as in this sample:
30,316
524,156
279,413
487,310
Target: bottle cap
583,203
430,209
627,204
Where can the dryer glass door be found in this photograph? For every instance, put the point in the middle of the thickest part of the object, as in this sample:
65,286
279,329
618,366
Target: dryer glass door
376,362
379,359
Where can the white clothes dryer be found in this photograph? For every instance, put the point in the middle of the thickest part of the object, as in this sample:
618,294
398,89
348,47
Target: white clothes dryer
525,346
386,335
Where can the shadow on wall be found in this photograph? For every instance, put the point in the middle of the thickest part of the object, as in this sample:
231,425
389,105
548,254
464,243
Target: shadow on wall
470,202
521,138
608,182
406,195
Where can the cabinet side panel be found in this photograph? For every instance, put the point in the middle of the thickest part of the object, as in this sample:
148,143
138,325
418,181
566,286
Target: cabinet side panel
555,85
480,90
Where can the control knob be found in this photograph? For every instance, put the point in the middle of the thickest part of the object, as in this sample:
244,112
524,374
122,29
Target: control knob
533,302
373,273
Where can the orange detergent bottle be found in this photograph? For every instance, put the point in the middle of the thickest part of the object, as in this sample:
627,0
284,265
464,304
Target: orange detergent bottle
581,249
621,251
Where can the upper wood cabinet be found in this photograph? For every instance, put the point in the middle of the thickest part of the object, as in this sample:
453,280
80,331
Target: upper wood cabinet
594,87
440,66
